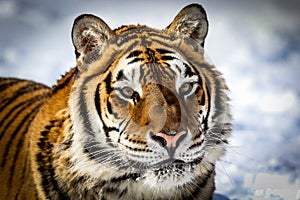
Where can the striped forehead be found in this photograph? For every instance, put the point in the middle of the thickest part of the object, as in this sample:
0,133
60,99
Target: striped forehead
156,63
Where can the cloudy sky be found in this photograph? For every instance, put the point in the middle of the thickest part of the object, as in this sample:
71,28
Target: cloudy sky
255,44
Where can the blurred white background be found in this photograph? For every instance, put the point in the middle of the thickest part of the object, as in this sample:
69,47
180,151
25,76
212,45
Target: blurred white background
255,44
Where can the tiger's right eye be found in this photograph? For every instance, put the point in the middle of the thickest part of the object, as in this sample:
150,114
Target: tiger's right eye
127,92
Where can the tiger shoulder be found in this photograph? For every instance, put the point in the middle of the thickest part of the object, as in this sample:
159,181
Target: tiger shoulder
143,115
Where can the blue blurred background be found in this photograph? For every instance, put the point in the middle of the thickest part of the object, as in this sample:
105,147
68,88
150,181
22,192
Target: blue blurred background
255,44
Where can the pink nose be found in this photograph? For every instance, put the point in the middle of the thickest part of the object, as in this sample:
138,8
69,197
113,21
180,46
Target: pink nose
168,140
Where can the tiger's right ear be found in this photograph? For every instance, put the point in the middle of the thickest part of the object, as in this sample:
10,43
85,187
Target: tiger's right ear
88,33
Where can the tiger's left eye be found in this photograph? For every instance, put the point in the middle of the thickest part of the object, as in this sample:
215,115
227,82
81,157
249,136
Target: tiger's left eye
127,92
186,88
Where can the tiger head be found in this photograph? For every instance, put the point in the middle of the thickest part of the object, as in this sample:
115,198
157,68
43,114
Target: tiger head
145,103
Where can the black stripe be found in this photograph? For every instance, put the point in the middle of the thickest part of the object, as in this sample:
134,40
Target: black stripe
14,134
142,71
148,75
107,81
125,39
82,103
125,177
97,101
164,51
164,42
109,129
178,68
159,35
122,131
25,104
208,110
44,160
21,142
145,41
134,54
123,192
120,75
136,60
188,71
98,108
201,185
197,144
48,183
5,85
15,107
166,58
168,71
109,108
25,168
23,90
222,142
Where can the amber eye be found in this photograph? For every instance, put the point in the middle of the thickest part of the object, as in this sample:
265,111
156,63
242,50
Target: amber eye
127,92
186,88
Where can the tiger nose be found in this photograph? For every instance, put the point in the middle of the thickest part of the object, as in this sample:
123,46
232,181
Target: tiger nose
170,140
158,116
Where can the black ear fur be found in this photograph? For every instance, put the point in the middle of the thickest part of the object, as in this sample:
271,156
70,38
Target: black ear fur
88,33
191,22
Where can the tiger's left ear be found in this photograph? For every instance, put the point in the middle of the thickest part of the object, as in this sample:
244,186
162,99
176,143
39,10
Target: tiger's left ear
89,32
191,22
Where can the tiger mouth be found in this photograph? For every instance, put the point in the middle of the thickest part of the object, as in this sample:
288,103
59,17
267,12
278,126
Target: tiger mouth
175,169
167,166
177,163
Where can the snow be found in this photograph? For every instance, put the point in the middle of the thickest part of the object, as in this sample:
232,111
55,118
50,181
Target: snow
255,44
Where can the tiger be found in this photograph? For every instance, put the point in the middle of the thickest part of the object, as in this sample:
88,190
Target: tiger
142,115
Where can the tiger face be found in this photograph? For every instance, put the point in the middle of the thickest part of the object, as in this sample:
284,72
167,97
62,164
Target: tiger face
145,102
155,104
